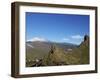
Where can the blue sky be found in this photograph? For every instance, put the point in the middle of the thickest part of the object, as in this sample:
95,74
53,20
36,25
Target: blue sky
67,28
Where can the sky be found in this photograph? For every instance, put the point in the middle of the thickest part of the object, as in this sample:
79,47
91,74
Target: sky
69,28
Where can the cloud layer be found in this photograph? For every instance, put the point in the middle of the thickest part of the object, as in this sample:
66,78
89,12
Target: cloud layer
77,37
37,39
65,39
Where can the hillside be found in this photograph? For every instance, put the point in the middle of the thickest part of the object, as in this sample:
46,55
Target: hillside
79,55
38,49
52,54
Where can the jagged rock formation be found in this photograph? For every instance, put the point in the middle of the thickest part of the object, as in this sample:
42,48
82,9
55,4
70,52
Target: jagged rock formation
81,54
84,48
86,41
86,38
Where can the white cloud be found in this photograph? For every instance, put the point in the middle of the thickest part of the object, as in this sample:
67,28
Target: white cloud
65,39
37,39
77,37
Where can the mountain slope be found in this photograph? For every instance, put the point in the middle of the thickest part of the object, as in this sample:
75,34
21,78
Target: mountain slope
38,49
78,55
52,54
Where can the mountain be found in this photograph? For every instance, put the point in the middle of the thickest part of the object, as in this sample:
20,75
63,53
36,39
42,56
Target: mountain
78,55
39,49
46,53
84,48
46,45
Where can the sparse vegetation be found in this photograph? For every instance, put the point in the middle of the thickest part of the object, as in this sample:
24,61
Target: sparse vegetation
54,55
